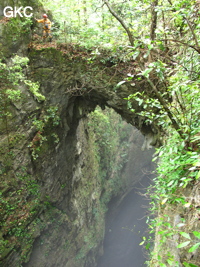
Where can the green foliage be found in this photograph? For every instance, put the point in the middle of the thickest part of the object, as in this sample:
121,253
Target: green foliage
189,264
152,109
13,72
17,29
12,80
36,147
173,109
34,88
186,243
16,211
111,144
12,75
13,95
50,118
174,168
107,128
44,126
90,24
182,111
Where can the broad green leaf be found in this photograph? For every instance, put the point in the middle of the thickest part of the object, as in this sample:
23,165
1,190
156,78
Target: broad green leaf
147,246
197,234
170,262
198,175
129,104
186,235
193,248
184,244
146,72
170,183
186,264
136,54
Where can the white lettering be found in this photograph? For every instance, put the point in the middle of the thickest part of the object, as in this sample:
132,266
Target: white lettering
17,11
9,12
28,7
6,13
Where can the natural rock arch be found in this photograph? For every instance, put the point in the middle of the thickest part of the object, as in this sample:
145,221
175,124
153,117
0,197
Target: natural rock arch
77,77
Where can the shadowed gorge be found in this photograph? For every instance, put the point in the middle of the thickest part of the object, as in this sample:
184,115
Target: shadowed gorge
125,231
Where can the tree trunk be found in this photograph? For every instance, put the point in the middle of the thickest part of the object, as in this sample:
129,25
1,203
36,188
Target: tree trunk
130,36
85,12
153,20
162,101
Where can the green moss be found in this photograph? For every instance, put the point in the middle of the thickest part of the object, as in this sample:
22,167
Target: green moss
15,139
16,31
51,54
5,248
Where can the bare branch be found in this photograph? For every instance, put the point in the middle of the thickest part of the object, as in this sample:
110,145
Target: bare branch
193,34
166,108
170,2
130,36
180,42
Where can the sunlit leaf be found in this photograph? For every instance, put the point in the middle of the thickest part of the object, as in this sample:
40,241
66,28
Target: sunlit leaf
164,201
184,244
146,72
187,205
193,248
119,84
186,235
186,264
180,224
147,246
197,234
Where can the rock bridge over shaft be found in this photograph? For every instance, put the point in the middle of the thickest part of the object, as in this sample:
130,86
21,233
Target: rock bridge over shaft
69,78
49,166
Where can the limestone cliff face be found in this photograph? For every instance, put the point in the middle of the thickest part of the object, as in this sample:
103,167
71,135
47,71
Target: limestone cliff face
54,199
52,213
15,33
